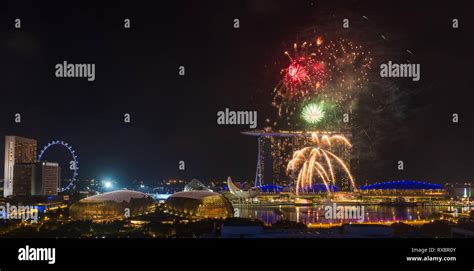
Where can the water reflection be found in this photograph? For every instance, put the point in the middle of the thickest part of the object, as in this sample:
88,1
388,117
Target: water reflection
316,214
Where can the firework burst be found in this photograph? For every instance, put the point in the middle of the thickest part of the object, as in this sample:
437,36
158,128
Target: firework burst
316,162
332,70
304,75
313,113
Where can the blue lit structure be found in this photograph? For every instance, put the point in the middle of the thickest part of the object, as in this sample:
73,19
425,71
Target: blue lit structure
402,185
316,188
320,188
271,188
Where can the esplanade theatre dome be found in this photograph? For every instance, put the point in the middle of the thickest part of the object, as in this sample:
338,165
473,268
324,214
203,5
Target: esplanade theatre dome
199,204
195,185
111,205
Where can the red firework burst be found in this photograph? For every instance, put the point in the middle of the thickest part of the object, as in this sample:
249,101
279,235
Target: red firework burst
303,75
296,73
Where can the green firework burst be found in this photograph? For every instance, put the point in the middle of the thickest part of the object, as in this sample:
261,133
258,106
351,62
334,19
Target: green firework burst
313,113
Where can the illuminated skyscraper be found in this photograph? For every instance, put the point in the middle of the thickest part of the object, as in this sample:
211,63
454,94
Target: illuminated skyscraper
36,179
50,178
275,150
17,150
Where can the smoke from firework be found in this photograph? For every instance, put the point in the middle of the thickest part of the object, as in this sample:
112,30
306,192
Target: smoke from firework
333,71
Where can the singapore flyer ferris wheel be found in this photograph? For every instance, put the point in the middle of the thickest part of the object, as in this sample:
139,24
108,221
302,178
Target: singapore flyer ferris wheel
73,164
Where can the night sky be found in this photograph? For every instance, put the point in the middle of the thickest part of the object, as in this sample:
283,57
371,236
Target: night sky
174,117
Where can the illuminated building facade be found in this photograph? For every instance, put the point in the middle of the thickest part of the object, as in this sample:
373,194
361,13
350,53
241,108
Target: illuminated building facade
275,150
459,191
112,205
404,191
36,179
199,204
17,150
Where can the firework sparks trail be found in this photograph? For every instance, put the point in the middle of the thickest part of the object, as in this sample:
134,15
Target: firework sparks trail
333,70
311,160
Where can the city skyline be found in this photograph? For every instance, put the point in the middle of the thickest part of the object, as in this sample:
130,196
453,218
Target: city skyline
337,128
173,117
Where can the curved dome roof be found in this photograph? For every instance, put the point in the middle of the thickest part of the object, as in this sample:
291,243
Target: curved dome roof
195,185
116,196
199,204
402,185
198,194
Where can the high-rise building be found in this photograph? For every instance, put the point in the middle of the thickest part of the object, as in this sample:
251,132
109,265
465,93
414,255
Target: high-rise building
276,149
17,150
36,179
51,176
